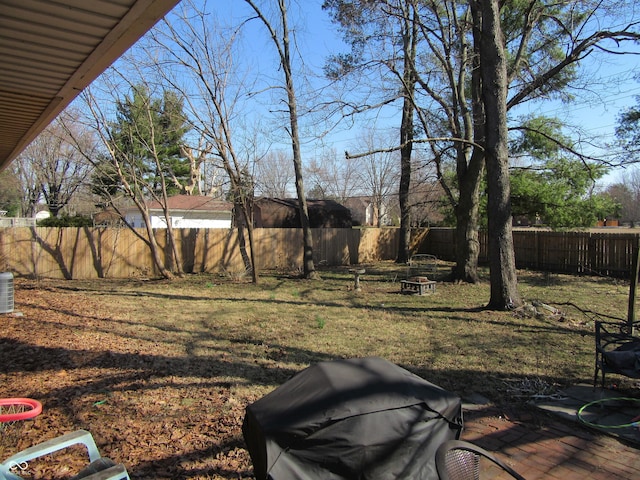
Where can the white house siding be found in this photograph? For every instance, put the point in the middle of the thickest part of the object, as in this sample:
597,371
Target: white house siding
184,220
201,220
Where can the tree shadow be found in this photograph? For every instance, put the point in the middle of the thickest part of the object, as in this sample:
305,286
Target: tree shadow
122,372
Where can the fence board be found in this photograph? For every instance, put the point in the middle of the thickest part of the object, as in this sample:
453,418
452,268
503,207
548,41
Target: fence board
591,253
119,253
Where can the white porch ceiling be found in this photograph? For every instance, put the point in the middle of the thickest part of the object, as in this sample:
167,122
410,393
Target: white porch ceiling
50,50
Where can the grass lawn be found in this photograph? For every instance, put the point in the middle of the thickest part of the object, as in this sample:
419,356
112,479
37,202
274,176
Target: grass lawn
160,372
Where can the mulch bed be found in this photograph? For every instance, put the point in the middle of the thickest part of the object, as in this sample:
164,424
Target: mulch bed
159,413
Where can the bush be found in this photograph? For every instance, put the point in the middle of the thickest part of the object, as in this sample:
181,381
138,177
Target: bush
66,221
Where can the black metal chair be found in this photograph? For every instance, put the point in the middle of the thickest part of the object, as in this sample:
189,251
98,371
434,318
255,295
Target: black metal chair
617,350
460,460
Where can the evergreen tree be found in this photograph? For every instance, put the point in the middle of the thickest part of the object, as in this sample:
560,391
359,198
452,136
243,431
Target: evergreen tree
553,185
148,132
628,132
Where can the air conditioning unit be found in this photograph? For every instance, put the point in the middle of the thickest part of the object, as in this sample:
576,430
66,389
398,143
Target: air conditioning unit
6,292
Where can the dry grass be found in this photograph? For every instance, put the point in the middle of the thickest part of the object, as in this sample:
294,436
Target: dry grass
150,354
287,323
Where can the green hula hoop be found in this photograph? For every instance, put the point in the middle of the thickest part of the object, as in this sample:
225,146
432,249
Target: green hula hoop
634,423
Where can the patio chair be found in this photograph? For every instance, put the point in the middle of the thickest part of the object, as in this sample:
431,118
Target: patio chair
459,460
99,468
617,350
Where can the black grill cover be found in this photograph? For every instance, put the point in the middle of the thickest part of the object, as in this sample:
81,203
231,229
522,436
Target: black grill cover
351,419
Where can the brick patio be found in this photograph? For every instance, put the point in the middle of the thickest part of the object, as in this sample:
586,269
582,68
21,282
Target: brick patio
538,445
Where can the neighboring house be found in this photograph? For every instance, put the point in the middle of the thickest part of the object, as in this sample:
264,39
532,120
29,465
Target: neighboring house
608,222
186,211
426,204
283,213
42,214
365,212
107,218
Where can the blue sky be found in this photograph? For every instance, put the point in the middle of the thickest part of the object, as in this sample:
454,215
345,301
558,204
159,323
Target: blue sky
613,88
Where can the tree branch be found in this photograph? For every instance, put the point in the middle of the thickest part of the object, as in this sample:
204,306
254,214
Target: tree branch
414,141
579,52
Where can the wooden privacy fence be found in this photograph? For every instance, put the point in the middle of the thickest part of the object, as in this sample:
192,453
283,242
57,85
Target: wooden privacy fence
590,253
84,253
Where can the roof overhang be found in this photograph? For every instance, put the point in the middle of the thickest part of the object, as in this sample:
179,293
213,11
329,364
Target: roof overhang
51,50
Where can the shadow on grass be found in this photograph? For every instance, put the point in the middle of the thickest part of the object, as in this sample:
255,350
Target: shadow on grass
108,391
129,372
235,359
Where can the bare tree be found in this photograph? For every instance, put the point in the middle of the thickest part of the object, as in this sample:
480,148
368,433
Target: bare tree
52,167
274,175
448,113
426,192
197,157
377,176
334,177
627,193
10,192
384,42
197,57
281,37
29,181
120,175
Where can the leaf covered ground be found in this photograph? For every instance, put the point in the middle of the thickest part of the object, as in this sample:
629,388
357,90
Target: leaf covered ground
161,372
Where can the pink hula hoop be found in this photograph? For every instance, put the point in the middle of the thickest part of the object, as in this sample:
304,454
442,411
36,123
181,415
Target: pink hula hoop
34,409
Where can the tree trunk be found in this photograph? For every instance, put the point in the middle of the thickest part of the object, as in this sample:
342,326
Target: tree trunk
171,239
281,42
467,242
173,247
255,276
406,136
308,265
493,69
153,245
633,287
470,167
245,221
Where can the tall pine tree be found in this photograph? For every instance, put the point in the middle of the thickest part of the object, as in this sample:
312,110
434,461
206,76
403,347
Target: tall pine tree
149,132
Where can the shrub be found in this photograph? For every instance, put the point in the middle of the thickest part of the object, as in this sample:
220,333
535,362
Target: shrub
66,221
